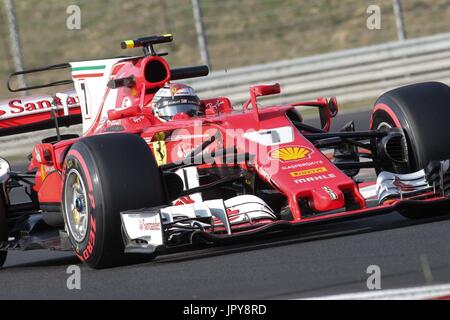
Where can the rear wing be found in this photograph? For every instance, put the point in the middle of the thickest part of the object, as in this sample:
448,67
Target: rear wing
94,81
34,113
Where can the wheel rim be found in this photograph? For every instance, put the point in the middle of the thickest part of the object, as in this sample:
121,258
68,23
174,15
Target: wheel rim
76,208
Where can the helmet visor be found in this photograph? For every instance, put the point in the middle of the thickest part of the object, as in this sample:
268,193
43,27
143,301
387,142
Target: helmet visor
171,110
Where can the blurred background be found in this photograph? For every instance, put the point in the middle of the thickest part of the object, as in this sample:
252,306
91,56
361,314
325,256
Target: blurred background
313,48
237,32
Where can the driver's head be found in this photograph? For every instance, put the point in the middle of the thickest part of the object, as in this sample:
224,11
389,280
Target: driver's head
173,99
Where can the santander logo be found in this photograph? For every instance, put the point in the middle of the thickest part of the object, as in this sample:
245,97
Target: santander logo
148,226
31,105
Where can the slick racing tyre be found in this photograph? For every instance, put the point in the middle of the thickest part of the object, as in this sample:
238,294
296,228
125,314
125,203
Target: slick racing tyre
423,111
104,175
3,229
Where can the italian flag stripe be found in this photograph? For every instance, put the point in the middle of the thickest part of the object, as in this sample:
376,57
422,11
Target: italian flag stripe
89,68
88,75
88,72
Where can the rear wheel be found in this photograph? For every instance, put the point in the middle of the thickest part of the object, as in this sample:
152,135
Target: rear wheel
104,175
3,230
422,110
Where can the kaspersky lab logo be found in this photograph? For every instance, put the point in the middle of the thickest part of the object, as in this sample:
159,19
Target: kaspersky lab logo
291,153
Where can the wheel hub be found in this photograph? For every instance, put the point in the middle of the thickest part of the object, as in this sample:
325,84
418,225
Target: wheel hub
76,210
79,204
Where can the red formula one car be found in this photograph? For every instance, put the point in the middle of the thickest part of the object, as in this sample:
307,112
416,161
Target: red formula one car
156,167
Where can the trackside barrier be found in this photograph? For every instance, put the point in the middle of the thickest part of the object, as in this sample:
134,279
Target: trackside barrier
351,75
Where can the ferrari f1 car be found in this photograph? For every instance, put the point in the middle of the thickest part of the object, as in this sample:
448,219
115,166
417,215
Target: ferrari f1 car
133,185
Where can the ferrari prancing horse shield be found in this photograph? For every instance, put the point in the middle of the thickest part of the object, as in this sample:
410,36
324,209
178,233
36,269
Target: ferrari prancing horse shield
160,152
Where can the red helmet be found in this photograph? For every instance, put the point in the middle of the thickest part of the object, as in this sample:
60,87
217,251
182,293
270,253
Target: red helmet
175,98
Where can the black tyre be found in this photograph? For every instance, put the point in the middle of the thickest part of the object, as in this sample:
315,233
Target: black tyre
423,111
104,175
3,229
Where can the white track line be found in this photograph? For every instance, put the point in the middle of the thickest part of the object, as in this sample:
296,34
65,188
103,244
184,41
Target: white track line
416,293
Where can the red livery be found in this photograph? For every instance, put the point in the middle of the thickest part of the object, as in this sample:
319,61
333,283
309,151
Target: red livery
158,167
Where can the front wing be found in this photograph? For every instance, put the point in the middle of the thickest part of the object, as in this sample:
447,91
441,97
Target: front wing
156,237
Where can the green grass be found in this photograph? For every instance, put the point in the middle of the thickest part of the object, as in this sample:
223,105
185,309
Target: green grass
239,32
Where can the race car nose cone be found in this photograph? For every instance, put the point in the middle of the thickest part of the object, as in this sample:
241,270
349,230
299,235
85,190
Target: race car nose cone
327,198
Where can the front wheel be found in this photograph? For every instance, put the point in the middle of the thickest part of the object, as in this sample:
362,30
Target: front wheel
104,175
422,110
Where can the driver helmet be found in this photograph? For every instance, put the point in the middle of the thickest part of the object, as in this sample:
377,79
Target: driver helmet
173,99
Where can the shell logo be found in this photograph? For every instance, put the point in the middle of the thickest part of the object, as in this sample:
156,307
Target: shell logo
291,153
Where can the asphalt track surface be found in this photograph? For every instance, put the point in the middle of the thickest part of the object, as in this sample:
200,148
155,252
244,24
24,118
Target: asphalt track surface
314,262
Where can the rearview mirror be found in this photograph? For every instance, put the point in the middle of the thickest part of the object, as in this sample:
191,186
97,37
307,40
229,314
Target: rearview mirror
333,107
43,154
266,90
